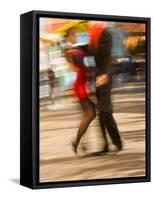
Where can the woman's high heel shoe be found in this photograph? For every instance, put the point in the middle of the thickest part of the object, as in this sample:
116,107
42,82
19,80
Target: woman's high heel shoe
74,147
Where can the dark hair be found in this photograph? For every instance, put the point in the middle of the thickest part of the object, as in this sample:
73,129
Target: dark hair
66,34
75,56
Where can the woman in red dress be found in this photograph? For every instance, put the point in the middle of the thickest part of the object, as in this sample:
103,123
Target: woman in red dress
75,58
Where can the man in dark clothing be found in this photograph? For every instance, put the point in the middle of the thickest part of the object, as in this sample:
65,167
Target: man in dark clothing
105,68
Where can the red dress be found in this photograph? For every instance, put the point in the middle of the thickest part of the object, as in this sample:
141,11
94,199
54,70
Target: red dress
80,85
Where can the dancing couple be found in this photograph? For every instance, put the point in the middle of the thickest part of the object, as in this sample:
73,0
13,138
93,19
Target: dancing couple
101,48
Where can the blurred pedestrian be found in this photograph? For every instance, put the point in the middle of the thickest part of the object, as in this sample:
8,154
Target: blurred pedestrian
51,78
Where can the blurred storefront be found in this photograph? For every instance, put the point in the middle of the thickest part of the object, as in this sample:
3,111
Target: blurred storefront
51,54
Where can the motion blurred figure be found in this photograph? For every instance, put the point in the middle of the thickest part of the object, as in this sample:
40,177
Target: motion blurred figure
106,49
51,77
75,58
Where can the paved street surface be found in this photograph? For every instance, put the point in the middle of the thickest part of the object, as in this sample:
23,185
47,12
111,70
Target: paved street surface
59,124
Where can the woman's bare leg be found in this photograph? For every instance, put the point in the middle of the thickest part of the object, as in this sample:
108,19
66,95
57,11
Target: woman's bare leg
88,115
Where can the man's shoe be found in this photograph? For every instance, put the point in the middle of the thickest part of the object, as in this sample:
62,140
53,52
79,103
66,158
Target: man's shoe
119,147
